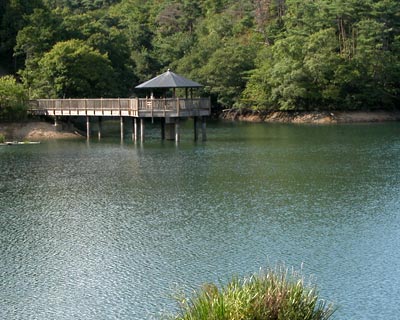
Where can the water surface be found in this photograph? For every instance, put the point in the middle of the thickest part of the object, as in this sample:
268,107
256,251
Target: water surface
109,231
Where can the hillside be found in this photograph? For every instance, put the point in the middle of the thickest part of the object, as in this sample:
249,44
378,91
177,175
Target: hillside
260,54
3,71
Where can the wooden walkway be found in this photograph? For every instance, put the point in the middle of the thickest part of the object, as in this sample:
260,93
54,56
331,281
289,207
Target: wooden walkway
139,108
169,110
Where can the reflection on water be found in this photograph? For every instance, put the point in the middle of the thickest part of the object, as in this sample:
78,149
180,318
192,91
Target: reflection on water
104,231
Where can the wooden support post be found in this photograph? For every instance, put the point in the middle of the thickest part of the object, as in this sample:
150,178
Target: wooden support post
170,128
162,128
203,128
134,130
141,130
195,127
177,131
121,120
100,127
87,127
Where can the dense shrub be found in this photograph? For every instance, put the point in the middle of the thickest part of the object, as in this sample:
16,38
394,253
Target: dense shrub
13,99
269,295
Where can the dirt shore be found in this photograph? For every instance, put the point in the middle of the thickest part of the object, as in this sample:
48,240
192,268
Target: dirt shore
41,131
36,131
317,117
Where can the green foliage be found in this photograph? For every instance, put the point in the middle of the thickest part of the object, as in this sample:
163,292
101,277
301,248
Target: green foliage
80,5
222,53
13,15
2,138
275,294
329,55
13,99
270,54
73,69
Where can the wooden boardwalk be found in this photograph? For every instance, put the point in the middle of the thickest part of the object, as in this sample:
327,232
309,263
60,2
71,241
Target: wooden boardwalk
169,110
135,107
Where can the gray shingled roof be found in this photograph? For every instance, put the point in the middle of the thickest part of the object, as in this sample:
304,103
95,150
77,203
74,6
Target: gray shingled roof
169,80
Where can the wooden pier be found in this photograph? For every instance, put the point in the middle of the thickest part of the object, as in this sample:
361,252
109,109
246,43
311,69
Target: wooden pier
169,110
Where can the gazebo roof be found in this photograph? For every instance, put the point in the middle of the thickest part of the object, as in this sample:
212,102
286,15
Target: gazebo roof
169,80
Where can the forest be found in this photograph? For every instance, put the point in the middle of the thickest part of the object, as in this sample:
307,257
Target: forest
262,54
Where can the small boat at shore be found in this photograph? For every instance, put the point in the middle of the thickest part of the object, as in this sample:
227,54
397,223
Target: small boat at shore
13,143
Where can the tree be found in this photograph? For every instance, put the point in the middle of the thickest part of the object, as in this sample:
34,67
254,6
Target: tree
222,53
79,5
278,54
13,99
72,69
102,32
329,55
224,72
137,23
13,20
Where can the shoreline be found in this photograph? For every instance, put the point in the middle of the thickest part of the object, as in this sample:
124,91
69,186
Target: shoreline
44,131
310,117
36,131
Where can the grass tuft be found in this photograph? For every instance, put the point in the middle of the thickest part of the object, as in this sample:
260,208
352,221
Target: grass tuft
274,294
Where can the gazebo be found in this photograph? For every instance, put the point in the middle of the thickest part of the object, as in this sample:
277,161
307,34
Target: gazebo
169,80
184,107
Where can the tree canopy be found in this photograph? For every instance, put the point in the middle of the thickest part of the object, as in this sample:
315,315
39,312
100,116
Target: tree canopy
13,99
267,54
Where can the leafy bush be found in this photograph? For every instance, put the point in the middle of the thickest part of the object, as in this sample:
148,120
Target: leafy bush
272,295
13,99
2,138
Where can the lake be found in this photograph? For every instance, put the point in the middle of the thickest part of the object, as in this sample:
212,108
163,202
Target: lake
104,230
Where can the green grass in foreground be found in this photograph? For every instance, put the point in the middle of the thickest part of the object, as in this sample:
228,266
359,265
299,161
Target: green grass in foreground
268,295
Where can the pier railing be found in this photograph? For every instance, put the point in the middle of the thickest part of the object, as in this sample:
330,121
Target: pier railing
135,107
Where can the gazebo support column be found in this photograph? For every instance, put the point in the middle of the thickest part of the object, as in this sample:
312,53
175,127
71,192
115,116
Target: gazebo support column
100,127
121,122
87,127
203,128
162,128
141,130
177,130
170,128
134,130
195,127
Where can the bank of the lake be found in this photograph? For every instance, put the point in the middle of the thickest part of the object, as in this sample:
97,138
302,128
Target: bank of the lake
316,117
36,131
42,131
